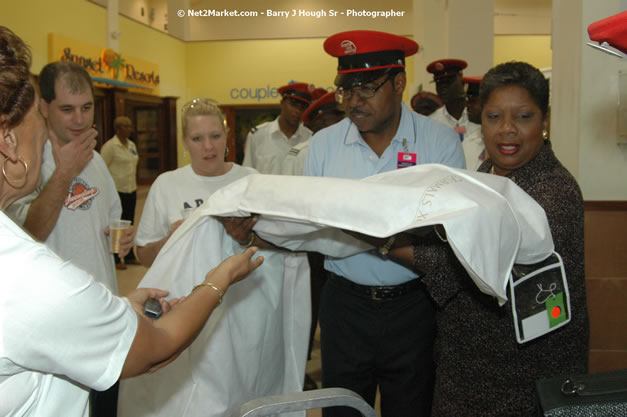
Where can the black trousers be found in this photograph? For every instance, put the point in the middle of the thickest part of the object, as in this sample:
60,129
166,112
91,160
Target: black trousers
104,403
128,201
318,276
378,343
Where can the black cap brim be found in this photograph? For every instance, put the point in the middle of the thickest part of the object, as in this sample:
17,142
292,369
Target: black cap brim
357,78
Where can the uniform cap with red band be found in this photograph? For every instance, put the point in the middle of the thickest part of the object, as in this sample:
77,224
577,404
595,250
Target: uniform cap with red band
612,30
317,93
473,85
446,67
317,108
298,91
365,55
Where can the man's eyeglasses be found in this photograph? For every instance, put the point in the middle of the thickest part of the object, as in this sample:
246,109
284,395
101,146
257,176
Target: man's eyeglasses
361,91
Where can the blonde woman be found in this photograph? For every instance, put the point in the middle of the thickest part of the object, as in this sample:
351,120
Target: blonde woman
175,193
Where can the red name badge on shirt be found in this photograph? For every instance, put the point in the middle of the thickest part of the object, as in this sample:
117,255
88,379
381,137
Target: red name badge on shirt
406,159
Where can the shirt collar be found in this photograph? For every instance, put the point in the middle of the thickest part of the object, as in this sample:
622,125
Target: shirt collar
275,129
463,120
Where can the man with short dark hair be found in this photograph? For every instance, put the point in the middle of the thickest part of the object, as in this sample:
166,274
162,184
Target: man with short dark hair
377,321
268,143
72,208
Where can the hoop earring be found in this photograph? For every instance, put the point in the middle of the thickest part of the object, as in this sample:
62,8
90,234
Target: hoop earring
19,183
545,134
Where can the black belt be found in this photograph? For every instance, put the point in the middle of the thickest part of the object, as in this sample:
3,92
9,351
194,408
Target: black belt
378,293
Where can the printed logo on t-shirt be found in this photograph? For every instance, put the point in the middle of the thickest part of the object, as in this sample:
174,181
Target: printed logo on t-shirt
198,203
80,195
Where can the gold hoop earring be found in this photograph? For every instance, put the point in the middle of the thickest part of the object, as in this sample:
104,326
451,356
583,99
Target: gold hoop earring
545,134
19,183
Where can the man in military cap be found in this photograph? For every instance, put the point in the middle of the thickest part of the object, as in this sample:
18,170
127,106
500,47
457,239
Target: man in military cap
323,112
268,143
377,321
472,98
447,74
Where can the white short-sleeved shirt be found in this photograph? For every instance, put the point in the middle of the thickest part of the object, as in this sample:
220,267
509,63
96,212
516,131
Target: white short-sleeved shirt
122,163
469,133
339,151
61,332
267,146
78,236
474,150
174,191
294,161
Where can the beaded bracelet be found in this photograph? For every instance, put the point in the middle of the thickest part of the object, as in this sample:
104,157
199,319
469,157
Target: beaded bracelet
212,286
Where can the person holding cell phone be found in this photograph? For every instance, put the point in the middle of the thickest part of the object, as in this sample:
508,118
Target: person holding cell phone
62,331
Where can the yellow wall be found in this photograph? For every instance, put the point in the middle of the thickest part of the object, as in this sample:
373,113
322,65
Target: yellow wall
226,70
534,49
217,69
212,69
32,20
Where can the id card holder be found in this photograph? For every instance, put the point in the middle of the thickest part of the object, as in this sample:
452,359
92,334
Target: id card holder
539,297
406,159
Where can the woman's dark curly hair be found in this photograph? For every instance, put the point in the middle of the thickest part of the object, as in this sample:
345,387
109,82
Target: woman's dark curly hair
16,90
518,74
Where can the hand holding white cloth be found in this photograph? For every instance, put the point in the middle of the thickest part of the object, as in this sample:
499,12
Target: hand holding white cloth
490,222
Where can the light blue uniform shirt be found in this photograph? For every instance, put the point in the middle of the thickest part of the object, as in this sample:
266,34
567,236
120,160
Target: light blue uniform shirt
340,151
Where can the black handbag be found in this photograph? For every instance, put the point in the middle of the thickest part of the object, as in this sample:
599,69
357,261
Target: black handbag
591,395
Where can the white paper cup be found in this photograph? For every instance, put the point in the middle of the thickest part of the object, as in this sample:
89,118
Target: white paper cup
116,231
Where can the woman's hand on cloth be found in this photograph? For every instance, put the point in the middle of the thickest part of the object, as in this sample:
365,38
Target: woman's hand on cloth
234,268
159,342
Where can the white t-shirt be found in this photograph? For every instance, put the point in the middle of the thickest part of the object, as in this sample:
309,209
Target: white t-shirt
267,146
61,332
175,191
78,236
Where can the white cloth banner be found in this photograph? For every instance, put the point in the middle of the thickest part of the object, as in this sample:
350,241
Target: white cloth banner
490,222
254,344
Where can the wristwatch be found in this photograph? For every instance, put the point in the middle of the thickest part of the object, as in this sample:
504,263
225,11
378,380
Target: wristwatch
385,249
